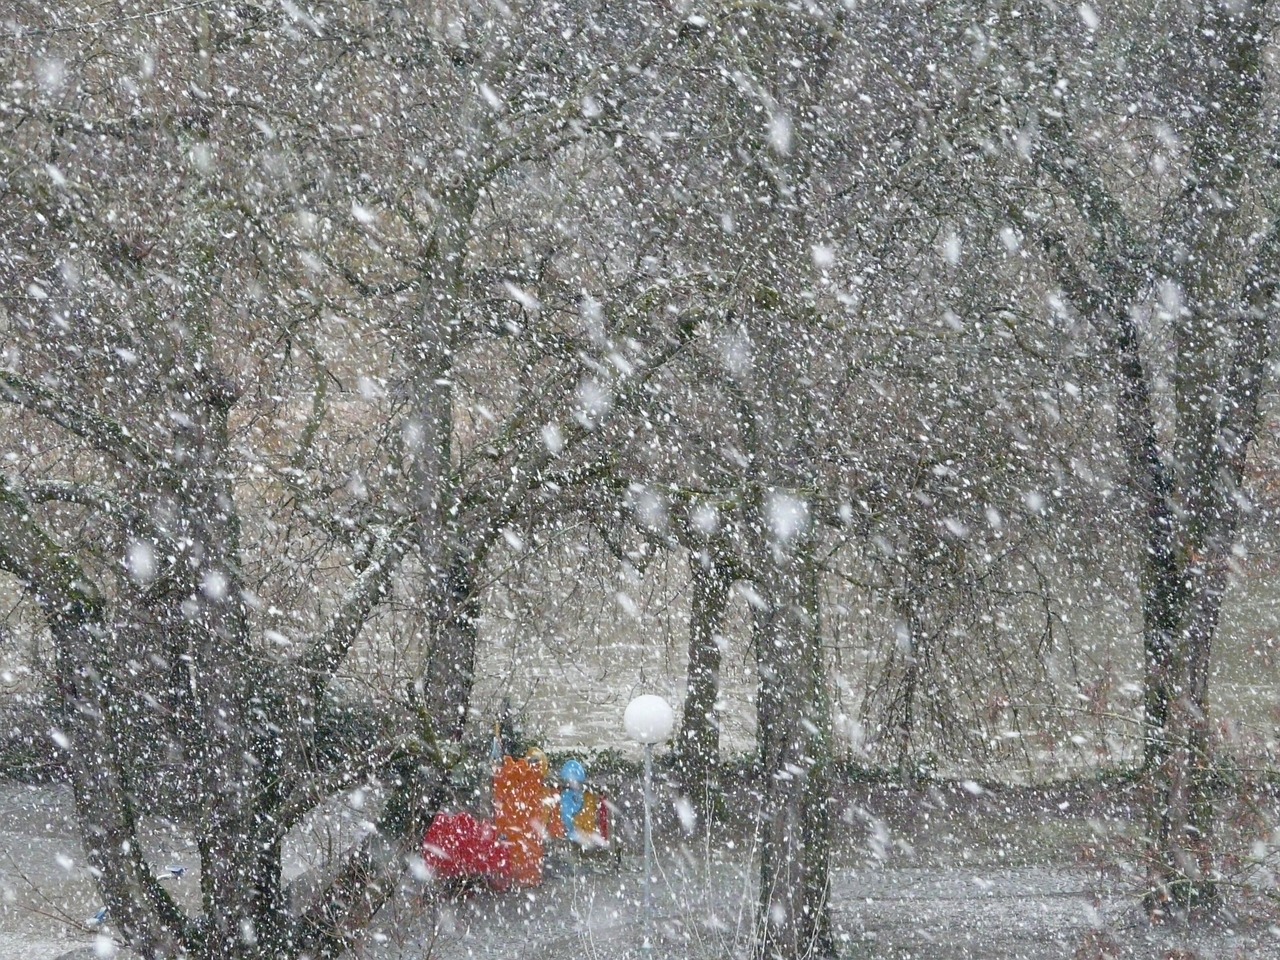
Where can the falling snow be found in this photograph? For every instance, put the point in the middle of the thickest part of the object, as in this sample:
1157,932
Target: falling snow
395,395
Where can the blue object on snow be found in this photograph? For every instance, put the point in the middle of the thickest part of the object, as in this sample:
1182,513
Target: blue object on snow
573,772
572,797
175,870
98,919
571,800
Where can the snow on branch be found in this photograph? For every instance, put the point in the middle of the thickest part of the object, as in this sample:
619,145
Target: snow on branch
30,554
329,648
97,498
101,432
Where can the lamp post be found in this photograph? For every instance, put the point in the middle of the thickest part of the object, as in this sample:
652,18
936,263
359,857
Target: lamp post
648,720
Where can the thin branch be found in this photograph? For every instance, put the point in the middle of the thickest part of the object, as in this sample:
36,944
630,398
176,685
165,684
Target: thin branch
103,433
329,648
98,25
356,769
97,498
28,552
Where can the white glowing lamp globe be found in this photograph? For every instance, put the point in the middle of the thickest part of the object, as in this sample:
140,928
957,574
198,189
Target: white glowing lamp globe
649,719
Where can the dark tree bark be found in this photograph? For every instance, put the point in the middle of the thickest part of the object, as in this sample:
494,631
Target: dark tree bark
1211,256
1188,478
1191,532
794,722
698,742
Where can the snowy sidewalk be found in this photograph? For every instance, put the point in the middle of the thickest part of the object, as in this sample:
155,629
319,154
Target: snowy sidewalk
704,911
14,947
45,893
1016,912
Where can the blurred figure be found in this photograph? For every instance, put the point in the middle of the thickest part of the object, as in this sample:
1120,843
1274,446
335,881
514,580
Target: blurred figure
572,798
522,806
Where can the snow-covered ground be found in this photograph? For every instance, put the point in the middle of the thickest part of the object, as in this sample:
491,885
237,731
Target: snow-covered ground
45,894
702,909
47,898
918,901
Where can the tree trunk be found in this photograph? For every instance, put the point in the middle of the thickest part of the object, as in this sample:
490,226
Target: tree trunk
104,800
88,719
1187,559
1222,333
911,648
1182,873
449,672
793,920
1191,527
698,744
1212,264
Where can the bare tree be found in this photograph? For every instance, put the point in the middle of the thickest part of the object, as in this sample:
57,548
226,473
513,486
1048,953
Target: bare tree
1139,200
1217,293
317,374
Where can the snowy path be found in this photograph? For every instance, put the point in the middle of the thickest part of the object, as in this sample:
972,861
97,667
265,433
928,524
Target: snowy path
14,947
45,894
1022,912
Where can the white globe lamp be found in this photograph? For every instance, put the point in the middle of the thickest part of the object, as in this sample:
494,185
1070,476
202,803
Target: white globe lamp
649,719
